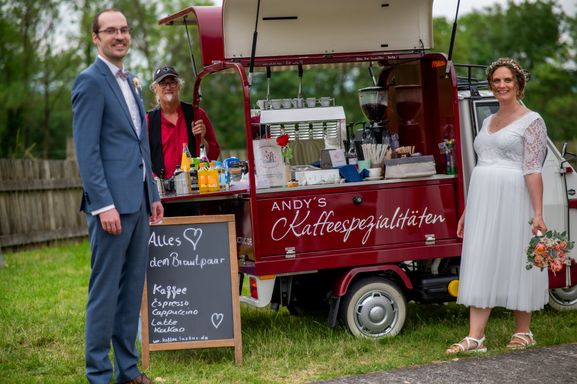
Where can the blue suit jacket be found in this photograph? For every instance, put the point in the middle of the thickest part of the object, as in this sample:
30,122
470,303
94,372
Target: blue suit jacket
109,152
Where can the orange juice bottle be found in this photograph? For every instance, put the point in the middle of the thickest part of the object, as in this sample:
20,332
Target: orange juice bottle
213,184
185,160
202,178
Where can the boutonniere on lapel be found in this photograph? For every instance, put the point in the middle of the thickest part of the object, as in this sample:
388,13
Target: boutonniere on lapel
137,85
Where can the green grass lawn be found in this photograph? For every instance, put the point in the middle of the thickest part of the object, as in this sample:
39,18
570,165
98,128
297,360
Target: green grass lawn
42,299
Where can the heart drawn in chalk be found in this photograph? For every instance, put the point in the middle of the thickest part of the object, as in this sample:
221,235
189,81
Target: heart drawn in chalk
193,235
216,319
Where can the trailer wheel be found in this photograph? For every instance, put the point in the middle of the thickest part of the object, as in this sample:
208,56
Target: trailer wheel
374,308
563,299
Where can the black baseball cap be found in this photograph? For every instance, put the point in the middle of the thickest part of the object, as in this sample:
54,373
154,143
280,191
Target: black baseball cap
162,72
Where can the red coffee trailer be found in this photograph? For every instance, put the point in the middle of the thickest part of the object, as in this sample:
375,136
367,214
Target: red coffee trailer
361,249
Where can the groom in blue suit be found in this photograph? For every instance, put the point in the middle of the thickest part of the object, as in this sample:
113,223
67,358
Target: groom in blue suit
120,199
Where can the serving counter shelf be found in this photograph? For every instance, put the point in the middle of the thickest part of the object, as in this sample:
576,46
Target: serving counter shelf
232,193
438,177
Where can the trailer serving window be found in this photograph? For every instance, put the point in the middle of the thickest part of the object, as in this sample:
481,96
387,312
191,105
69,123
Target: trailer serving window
483,109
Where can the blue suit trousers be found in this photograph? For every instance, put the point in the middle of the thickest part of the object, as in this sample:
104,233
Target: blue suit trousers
118,267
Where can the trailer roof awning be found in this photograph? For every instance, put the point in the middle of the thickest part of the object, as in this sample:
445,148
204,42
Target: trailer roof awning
311,27
209,23
301,29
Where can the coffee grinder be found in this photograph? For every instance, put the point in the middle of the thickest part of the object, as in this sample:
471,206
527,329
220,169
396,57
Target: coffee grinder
408,103
373,101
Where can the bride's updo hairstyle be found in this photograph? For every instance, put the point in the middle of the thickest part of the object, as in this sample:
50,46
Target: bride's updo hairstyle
521,75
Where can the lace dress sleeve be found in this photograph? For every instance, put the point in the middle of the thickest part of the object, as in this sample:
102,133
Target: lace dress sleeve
535,149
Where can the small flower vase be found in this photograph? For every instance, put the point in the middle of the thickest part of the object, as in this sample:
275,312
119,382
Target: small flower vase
287,173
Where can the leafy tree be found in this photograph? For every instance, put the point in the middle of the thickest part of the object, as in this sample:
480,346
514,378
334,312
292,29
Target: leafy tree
540,36
529,31
442,34
45,43
17,62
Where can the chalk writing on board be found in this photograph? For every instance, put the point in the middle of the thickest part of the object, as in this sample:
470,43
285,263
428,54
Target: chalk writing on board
192,235
216,319
191,290
188,268
175,261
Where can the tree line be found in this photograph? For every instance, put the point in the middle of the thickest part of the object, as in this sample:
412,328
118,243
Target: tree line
46,43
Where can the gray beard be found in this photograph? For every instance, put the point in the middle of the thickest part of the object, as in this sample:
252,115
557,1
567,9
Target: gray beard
169,98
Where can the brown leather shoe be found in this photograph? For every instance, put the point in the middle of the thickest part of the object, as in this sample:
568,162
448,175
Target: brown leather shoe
140,379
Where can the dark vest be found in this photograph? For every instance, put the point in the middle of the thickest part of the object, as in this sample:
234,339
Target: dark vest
155,137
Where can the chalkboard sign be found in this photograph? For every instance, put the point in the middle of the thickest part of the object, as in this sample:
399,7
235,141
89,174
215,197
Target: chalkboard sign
191,297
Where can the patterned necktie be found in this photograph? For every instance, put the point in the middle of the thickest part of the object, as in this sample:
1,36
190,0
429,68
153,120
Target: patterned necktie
122,74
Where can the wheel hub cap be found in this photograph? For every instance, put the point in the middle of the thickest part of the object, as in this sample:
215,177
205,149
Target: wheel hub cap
375,314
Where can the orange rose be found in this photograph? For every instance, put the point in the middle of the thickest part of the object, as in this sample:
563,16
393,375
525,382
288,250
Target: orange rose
540,248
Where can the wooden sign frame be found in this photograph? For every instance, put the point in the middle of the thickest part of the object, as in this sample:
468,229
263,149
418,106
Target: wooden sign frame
236,341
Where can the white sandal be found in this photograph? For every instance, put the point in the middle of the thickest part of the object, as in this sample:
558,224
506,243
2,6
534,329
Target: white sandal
521,340
479,345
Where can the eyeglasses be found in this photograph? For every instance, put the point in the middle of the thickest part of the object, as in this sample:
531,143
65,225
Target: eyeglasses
113,31
170,83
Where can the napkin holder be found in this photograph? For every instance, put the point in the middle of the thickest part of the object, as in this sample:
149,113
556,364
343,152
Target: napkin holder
411,166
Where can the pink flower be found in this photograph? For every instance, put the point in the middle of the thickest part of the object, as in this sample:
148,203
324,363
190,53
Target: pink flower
538,261
555,265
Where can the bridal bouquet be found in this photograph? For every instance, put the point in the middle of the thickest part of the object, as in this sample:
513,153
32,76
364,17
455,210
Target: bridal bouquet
549,251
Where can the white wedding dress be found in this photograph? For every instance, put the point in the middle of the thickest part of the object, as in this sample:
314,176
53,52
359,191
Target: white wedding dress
498,210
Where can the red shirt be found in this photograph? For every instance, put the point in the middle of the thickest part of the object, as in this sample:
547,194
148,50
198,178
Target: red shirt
173,136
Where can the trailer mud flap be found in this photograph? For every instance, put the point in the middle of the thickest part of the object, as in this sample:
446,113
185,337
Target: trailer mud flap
335,303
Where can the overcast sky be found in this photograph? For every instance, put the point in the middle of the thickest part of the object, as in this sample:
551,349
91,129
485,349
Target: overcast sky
448,8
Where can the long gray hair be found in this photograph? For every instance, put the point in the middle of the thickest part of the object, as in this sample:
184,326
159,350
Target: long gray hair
157,97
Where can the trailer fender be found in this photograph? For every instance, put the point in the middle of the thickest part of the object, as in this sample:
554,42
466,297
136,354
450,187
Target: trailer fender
342,284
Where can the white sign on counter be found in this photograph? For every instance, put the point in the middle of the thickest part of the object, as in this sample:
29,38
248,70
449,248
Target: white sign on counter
269,164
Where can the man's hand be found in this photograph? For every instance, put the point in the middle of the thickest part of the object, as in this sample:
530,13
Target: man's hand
198,128
157,212
110,221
